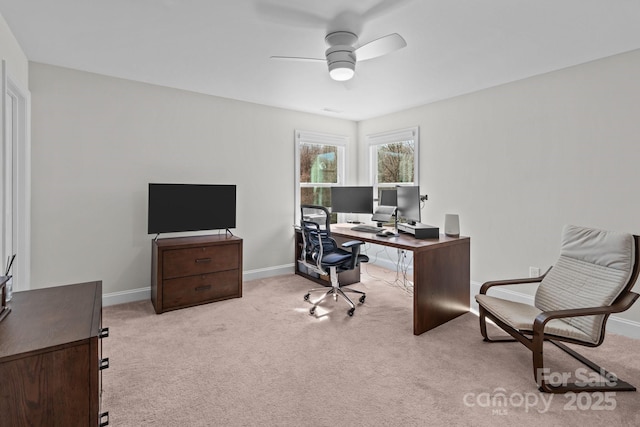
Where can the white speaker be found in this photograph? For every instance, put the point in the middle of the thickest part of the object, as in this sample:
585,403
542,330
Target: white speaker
452,225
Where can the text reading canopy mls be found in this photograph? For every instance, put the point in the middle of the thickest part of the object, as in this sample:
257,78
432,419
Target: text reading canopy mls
191,207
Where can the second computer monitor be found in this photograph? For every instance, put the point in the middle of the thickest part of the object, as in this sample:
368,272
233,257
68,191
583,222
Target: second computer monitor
388,197
352,199
409,203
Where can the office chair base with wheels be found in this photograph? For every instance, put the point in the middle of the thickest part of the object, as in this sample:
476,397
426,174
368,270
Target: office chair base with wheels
335,291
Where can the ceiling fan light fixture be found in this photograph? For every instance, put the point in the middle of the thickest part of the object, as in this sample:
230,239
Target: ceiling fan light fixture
341,61
341,71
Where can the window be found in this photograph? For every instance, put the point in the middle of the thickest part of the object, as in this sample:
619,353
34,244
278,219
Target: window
394,159
320,164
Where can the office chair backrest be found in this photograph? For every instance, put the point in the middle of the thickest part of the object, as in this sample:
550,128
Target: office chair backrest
316,233
318,214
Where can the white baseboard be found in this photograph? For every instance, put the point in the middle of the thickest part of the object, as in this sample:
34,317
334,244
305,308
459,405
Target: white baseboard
140,294
263,273
615,324
114,298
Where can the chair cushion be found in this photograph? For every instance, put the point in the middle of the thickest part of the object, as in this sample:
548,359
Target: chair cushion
521,317
336,258
593,268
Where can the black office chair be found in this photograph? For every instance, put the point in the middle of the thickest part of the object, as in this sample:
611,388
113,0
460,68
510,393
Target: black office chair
321,254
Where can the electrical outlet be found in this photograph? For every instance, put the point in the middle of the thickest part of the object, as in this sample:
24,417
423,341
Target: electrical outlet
534,271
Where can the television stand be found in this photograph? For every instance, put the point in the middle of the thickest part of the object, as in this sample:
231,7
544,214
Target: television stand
188,271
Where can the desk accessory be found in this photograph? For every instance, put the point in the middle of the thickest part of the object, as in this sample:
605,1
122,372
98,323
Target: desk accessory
4,308
420,231
452,225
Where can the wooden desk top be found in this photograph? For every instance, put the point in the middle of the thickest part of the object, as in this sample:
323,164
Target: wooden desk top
50,317
403,241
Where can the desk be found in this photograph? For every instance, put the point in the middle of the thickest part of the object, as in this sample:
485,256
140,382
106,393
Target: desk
441,273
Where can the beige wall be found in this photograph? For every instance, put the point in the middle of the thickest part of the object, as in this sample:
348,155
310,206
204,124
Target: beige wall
98,141
11,52
518,161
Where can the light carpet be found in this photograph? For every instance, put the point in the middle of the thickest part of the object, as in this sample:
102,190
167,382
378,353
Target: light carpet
262,360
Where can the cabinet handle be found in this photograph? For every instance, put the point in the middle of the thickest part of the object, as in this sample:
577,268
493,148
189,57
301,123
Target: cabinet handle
203,260
103,333
203,288
101,418
104,364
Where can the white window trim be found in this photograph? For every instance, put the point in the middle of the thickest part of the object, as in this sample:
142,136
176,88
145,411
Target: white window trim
389,137
309,137
21,270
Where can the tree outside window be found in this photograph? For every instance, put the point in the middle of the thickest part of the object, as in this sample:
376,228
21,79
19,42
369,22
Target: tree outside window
394,159
320,164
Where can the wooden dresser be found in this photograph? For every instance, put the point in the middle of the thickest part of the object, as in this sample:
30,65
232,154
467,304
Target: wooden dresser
50,358
188,271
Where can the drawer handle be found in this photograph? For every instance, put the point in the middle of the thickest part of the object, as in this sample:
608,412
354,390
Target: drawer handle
203,288
104,364
103,419
203,260
103,333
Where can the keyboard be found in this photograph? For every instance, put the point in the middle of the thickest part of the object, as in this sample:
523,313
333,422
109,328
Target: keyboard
367,228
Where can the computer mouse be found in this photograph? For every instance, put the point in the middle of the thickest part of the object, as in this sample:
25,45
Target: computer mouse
385,233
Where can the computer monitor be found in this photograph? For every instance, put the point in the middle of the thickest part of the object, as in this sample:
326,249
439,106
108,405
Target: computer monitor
386,209
388,197
352,199
409,203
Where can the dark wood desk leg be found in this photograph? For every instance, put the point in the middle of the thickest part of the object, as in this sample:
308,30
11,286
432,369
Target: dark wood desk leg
441,285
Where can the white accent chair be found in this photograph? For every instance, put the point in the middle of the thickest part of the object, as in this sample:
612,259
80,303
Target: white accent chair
592,279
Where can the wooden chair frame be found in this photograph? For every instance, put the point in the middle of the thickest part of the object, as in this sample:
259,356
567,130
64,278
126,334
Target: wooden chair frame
535,339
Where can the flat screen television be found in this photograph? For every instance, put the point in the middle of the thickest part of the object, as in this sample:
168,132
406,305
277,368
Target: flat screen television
352,199
409,203
191,207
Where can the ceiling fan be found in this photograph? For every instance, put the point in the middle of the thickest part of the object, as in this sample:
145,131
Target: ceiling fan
342,54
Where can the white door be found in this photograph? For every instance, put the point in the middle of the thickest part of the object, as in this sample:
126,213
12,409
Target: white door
15,182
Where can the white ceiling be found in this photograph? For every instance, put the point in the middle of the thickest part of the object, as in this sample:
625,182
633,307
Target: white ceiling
222,47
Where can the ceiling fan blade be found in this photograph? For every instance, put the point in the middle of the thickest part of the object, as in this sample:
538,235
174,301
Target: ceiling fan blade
382,7
380,47
298,58
289,16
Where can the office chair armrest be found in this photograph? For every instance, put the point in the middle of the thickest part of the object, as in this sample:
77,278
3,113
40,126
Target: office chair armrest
485,286
352,243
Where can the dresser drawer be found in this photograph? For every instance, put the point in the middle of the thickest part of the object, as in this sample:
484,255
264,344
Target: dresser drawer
201,260
198,289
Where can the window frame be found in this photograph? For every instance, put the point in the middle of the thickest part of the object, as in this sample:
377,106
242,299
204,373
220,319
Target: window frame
389,137
317,138
15,212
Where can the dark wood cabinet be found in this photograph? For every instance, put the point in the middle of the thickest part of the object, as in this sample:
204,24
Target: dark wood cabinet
194,270
50,357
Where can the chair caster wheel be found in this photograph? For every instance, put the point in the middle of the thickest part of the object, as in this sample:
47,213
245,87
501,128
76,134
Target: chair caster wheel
350,312
306,297
313,310
362,298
